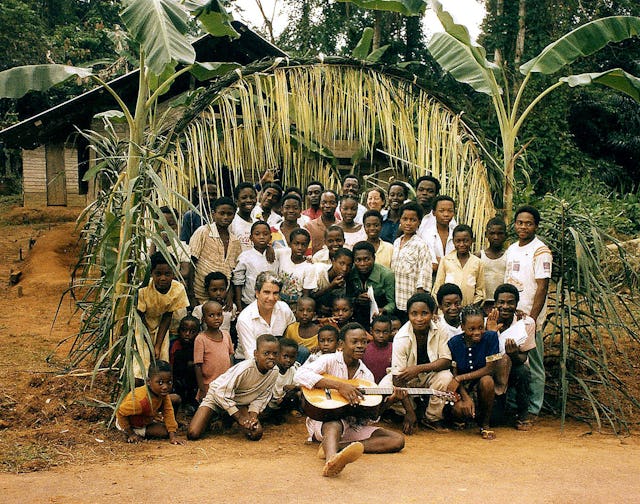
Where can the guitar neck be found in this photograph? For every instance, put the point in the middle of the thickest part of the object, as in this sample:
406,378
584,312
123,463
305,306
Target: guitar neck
389,391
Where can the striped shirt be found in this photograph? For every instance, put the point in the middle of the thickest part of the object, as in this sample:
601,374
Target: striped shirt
411,265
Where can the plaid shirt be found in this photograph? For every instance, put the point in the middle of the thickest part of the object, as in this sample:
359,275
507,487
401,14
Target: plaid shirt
412,268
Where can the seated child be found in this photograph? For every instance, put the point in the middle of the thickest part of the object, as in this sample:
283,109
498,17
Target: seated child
156,304
344,441
213,350
181,359
462,268
475,354
242,392
216,285
328,342
333,240
332,282
341,312
285,391
146,412
450,303
377,356
305,330
297,274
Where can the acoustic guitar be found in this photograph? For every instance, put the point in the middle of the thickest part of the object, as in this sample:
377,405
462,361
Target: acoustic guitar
328,404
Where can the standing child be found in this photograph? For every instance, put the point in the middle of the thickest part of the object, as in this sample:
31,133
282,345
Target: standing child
372,223
333,240
328,342
475,355
304,331
213,350
242,392
494,259
377,356
353,232
462,268
251,263
245,196
285,391
297,274
291,212
217,286
156,304
138,412
411,260
181,359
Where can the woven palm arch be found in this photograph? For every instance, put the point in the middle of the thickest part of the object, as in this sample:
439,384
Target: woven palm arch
290,116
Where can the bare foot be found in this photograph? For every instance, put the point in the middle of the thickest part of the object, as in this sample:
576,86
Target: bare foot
321,452
337,463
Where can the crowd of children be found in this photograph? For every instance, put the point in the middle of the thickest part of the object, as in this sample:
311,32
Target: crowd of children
282,298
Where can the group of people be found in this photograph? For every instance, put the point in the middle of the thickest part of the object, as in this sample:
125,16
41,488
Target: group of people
261,297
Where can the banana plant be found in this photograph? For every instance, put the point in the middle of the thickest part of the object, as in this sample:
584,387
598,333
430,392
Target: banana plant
467,62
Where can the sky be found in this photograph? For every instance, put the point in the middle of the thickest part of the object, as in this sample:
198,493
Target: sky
467,12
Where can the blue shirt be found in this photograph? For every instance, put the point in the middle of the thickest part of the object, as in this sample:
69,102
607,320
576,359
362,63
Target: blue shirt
475,357
389,229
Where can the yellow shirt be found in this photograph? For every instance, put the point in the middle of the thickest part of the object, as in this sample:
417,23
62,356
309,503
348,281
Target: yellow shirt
469,278
384,254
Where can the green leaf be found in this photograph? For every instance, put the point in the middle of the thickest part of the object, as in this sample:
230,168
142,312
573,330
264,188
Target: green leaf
615,78
209,70
582,41
18,81
364,44
113,116
458,59
160,27
375,56
158,81
213,16
406,7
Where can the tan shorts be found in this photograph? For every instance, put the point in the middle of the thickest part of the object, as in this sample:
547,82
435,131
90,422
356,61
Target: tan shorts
350,432
140,431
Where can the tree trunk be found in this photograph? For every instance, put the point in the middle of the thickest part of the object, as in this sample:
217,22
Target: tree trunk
497,53
522,10
377,30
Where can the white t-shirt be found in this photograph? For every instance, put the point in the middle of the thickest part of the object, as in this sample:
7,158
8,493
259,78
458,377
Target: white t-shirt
295,277
227,317
242,229
250,264
350,239
525,265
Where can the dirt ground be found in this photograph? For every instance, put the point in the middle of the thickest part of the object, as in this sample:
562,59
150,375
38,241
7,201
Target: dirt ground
55,447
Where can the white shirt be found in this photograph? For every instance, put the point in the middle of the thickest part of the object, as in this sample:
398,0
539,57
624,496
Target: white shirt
431,236
242,229
429,220
359,214
273,220
250,264
295,277
251,325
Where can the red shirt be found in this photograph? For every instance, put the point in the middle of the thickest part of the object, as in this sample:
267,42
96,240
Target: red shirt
377,359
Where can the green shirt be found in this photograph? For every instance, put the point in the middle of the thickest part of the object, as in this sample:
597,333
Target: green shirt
383,283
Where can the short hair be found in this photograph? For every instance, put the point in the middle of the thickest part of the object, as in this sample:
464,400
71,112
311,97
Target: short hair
267,277
240,187
291,196
157,367
348,176
331,329
383,196
496,221
343,251
442,197
273,185
405,189
265,338
215,275
393,318
372,213
429,178
446,289
463,228
189,318
422,297
259,223
292,190
314,182
351,326
471,311
343,298
364,245
307,299
506,288
381,319
330,191
412,206
300,232
158,258
224,200
211,302
333,227
530,210
288,342
346,197
168,210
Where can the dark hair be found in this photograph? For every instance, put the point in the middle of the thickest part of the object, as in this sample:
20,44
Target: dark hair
447,289
462,228
348,176
412,206
224,200
259,223
211,301
381,319
422,297
530,210
383,196
189,318
300,231
497,221
158,258
405,189
372,213
471,311
351,326
330,191
506,288
314,182
306,299
265,338
342,251
168,210
291,196
292,191
157,367
343,298
267,277
346,197
273,185
363,245
215,275
429,178
393,318
331,329
240,187
288,342
442,197
333,227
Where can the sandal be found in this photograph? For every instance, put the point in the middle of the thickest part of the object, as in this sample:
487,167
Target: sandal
459,426
487,434
524,425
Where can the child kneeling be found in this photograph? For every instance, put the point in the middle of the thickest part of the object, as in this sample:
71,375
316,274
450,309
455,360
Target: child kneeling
242,392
